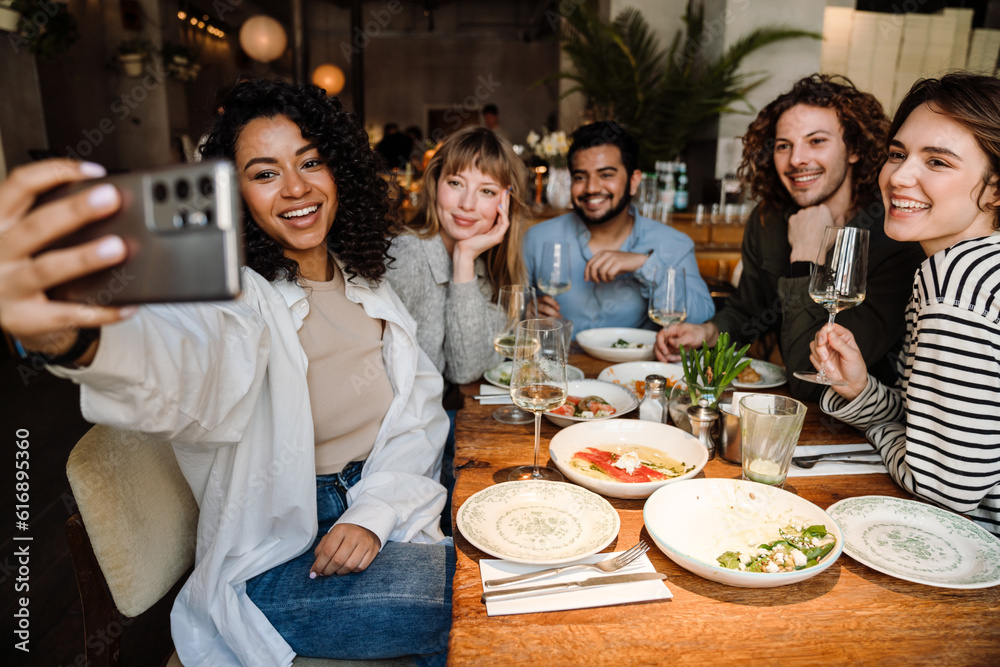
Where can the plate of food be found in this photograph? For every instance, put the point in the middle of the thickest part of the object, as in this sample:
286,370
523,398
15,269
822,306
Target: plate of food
499,375
918,542
742,533
592,400
538,522
632,375
760,375
626,458
617,344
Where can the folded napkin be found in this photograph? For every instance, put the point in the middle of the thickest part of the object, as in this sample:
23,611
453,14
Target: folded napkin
581,598
498,396
834,468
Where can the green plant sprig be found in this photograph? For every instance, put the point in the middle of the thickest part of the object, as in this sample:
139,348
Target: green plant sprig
713,367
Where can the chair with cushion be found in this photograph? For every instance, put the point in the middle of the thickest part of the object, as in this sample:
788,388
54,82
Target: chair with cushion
134,536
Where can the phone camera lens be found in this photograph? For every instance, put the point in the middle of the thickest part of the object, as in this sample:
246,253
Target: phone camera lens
160,192
205,186
182,189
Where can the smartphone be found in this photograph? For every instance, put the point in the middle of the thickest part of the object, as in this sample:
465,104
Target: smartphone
182,226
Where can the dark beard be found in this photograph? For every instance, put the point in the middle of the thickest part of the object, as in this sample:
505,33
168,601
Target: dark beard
613,213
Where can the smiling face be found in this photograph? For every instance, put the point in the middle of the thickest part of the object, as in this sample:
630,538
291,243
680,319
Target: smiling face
812,159
602,187
466,205
931,182
288,189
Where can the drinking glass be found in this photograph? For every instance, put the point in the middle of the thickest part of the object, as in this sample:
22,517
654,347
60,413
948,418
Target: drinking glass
770,426
538,382
668,297
838,279
514,304
554,278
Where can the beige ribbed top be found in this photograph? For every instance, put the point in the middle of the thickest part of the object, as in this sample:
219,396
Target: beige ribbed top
349,391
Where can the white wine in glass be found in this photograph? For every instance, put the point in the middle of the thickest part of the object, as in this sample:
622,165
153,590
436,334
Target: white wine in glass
838,280
514,304
538,382
554,277
668,297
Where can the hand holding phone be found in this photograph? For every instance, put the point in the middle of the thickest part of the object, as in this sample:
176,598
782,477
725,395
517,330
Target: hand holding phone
182,229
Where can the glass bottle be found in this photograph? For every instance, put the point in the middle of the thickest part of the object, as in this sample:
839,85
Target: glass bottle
654,403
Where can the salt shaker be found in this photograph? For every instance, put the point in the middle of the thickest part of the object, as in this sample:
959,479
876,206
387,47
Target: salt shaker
702,419
654,403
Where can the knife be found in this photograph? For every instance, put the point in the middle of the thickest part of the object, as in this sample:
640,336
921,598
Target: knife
853,452
528,591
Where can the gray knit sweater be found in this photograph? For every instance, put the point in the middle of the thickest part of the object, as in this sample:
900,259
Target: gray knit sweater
455,322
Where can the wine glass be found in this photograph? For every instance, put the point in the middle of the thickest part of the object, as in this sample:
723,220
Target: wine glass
538,382
668,297
838,279
514,304
554,277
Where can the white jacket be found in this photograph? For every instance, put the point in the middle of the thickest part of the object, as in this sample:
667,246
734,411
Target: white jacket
226,384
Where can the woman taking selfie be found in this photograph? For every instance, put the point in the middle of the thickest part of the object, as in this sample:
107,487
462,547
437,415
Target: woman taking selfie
464,244
937,432
303,414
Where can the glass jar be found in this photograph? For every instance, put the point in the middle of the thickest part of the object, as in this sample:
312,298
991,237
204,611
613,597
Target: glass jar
654,401
680,401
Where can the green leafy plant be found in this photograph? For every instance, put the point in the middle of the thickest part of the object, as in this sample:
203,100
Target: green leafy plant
712,368
662,97
46,28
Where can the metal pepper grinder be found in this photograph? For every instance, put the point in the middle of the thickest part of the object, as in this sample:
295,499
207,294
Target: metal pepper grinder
702,419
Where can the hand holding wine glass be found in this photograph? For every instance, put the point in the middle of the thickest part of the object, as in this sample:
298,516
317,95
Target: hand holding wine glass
538,382
838,280
514,304
668,297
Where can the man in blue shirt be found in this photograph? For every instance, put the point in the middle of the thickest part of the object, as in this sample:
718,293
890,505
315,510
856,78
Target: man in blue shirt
614,251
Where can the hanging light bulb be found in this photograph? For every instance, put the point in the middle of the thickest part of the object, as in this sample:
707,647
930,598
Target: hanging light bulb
329,77
263,38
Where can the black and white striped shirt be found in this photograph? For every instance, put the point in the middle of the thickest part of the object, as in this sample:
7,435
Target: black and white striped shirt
939,431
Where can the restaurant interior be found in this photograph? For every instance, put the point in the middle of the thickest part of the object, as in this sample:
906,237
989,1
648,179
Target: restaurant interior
134,84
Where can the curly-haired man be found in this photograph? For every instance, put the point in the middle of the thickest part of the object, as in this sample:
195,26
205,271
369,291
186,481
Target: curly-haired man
811,159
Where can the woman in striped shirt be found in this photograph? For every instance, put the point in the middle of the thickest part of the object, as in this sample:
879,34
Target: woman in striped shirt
939,431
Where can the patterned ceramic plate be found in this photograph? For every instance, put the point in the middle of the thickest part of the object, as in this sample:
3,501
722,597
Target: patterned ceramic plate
499,375
918,542
543,523
771,375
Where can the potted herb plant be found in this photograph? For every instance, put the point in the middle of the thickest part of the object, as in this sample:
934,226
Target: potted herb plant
708,372
46,28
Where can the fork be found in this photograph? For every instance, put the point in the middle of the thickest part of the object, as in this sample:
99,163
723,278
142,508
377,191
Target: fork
607,565
799,463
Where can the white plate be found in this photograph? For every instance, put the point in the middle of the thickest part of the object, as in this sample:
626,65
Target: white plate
629,373
597,343
536,522
620,398
671,441
495,375
771,375
695,521
918,542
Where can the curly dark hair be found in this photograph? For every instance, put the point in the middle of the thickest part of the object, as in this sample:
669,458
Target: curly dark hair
973,101
360,236
865,130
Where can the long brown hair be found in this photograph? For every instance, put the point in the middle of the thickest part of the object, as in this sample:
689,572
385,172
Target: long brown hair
972,101
482,149
865,130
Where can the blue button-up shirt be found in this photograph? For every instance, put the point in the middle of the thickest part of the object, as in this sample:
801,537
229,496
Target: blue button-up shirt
624,301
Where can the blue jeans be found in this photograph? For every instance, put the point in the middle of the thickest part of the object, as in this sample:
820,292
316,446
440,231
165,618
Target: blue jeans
400,605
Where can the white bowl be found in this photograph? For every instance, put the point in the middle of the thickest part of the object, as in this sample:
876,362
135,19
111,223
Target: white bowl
629,373
620,398
669,440
499,375
597,343
696,520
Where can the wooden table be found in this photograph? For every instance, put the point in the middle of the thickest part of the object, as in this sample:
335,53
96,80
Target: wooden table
849,614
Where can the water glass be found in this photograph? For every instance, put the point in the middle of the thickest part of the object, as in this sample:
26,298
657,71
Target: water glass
770,426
